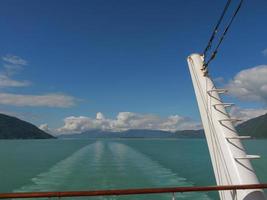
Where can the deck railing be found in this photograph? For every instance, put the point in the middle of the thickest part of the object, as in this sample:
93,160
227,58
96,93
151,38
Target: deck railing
121,192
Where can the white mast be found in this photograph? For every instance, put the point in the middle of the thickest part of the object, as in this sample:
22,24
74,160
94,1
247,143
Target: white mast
230,162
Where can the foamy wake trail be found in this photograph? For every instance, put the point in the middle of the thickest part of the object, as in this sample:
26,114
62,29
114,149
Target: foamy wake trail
150,173
58,174
110,165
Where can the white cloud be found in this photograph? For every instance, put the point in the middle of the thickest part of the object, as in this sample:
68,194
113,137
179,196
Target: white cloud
45,128
12,64
250,84
100,116
247,113
47,100
14,60
125,121
264,52
6,81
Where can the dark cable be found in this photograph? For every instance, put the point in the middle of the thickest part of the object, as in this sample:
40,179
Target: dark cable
214,53
215,31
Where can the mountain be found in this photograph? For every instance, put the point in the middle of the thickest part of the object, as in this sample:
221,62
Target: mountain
137,133
256,127
190,134
14,128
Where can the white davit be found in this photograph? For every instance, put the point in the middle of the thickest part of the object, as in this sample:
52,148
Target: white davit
230,162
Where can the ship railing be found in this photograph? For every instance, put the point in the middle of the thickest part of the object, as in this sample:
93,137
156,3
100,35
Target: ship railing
123,192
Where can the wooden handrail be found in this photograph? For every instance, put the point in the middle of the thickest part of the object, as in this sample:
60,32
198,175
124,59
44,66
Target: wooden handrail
136,191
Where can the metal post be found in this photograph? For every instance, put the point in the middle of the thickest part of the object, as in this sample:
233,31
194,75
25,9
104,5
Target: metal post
230,162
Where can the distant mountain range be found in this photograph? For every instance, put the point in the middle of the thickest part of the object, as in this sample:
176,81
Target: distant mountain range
137,133
256,127
14,128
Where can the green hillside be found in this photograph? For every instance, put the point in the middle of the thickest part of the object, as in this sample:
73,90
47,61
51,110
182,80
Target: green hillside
256,127
14,128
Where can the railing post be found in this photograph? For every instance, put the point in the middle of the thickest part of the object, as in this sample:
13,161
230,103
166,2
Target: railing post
234,194
118,192
173,196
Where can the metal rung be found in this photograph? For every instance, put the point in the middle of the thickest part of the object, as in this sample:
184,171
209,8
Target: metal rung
248,157
224,104
238,137
220,91
231,120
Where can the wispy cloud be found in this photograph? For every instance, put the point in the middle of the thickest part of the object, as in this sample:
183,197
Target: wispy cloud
6,81
264,52
250,84
12,65
127,120
47,100
14,60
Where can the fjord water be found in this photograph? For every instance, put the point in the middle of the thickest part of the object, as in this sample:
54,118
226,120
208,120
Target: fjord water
52,165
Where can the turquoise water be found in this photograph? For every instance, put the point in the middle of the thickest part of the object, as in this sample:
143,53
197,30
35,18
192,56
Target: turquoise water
51,165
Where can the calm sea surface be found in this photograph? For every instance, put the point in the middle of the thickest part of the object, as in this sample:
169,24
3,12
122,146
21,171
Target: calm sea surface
50,165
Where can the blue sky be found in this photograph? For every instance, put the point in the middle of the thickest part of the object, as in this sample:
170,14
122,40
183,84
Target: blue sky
113,56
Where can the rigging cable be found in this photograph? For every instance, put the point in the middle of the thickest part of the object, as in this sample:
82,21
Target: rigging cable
223,35
215,31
